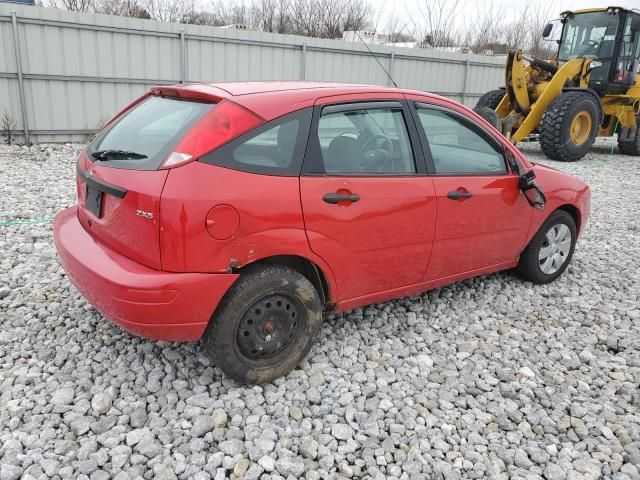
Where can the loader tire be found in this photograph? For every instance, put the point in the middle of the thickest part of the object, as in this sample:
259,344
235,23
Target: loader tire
491,99
631,147
569,125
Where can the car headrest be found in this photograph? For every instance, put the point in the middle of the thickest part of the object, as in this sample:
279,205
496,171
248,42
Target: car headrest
343,155
287,135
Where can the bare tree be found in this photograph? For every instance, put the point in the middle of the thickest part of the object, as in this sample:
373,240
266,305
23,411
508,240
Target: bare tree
536,45
73,5
271,16
357,15
170,10
398,30
484,30
7,126
124,8
438,22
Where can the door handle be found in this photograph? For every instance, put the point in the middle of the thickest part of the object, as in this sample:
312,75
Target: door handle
457,195
341,197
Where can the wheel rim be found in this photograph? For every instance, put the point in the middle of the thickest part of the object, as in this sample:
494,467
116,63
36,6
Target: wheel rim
580,128
555,249
269,327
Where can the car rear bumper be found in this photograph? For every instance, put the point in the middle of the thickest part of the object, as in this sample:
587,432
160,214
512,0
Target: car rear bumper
141,300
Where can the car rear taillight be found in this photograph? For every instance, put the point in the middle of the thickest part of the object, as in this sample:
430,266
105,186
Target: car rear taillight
224,122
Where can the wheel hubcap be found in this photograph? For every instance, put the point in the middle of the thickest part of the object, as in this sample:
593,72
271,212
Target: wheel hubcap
555,248
269,326
580,128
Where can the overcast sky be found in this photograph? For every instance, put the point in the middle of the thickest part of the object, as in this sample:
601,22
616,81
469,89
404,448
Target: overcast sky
411,8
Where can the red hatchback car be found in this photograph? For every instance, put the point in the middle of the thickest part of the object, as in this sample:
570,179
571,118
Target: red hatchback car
236,212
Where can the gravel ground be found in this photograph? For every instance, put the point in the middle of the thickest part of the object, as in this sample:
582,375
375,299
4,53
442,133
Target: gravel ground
490,377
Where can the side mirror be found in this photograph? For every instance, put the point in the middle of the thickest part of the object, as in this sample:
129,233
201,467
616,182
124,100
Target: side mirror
547,30
532,191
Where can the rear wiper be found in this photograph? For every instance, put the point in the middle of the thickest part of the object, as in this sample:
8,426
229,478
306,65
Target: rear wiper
104,155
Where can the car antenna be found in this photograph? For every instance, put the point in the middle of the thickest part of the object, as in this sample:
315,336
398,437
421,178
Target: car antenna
376,59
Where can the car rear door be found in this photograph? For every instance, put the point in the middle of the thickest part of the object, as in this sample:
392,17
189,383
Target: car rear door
483,218
369,209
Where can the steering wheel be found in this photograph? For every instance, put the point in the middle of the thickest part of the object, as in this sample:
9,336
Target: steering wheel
592,47
378,154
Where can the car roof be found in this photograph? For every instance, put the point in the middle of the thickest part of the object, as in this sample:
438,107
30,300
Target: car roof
248,88
272,99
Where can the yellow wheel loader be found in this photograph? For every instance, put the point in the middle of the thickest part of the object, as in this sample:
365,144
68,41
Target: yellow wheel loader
591,88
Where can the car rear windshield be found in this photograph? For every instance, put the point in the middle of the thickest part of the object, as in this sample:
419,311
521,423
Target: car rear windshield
143,137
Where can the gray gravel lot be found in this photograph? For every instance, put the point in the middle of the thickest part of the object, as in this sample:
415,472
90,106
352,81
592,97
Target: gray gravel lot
490,377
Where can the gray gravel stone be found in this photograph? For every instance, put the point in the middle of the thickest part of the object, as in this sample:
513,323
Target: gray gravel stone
10,472
231,447
290,466
267,463
342,431
101,402
554,471
62,396
309,449
219,418
202,424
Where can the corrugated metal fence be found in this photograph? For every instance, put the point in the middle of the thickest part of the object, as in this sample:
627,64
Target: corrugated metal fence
63,73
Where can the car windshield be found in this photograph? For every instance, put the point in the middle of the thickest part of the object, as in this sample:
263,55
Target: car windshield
590,35
143,137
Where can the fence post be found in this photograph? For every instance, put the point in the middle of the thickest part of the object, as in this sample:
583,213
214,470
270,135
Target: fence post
23,103
303,62
392,60
464,85
183,58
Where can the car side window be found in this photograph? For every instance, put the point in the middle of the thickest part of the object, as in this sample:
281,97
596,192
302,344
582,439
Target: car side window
458,148
365,141
275,148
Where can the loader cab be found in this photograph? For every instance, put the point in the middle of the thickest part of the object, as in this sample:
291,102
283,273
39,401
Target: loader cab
611,39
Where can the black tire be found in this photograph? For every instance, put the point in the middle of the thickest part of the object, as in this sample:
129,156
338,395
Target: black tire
631,147
264,305
491,99
529,267
555,126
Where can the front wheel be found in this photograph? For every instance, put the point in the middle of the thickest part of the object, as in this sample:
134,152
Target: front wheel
550,251
265,325
569,126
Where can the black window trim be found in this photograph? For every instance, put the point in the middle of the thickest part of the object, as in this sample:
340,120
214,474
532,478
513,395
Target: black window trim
313,165
479,129
223,156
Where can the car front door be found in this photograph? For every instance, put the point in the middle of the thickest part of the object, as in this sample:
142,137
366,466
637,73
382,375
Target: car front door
483,218
369,209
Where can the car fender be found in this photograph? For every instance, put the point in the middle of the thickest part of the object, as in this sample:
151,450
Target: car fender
259,246
561,190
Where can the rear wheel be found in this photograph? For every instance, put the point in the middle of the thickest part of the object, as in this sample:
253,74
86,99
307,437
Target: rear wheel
631,147
550,251
265,325
569,125
491,99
